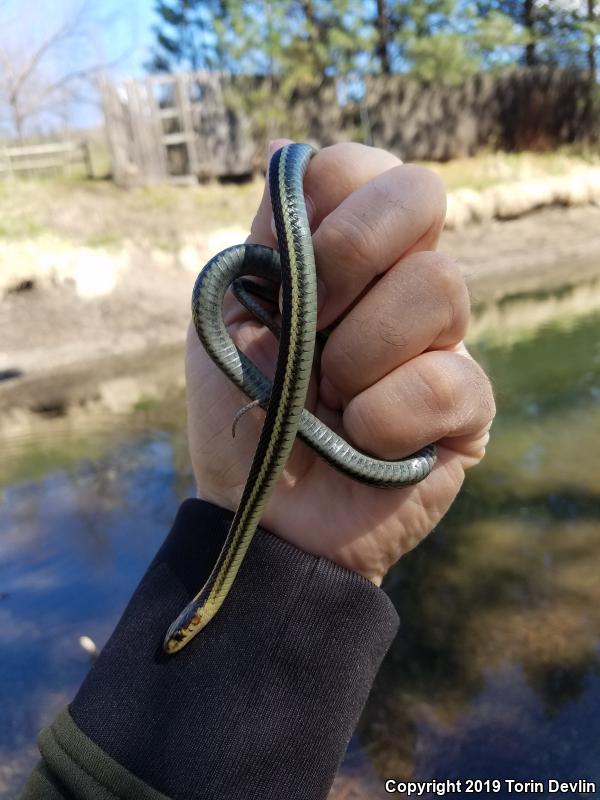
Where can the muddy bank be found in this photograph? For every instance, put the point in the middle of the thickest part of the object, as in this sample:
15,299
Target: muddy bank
114,345
542,251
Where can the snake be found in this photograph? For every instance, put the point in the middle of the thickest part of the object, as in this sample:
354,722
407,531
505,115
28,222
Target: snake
292,268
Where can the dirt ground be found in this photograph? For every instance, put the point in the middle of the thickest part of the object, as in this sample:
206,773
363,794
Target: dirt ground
56,346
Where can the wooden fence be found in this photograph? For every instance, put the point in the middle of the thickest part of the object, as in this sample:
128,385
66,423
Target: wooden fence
192,126
43,158
173,127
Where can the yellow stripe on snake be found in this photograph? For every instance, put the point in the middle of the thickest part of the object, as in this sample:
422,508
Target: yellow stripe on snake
294,267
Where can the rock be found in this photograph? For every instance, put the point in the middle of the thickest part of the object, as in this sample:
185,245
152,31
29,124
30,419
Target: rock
458,213
196,252
48,260
94,272
225,237
512,200
593,180
467,205
571,190
188,258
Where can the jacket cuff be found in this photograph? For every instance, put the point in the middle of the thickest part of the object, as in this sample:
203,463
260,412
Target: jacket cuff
263,701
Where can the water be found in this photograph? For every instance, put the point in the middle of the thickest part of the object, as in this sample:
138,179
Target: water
74,545
496,670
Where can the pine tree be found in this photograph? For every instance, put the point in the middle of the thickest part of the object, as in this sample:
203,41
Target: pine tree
557,33
447,40
187,35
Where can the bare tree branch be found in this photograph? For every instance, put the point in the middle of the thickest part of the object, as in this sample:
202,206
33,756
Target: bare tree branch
30,85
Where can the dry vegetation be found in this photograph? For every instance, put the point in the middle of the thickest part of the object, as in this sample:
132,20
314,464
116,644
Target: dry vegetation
97,213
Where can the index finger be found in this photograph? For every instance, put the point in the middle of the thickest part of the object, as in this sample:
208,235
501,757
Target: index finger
398,212
333,174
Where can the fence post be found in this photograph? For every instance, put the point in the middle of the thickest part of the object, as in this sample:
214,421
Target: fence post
162,170
185,110
87,158
6,159
117,133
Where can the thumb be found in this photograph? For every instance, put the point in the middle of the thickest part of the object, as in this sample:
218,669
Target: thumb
261,231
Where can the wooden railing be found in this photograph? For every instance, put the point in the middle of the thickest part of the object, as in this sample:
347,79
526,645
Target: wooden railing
40,158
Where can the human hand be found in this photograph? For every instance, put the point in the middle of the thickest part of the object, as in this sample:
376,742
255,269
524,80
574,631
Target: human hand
395,374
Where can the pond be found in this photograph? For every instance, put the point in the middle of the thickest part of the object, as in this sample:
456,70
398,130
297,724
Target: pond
496,670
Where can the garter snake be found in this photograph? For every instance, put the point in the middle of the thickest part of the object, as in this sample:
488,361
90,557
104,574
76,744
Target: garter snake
294,268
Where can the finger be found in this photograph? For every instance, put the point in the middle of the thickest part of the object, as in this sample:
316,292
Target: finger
396,213
260,230
422,302
440,395
333,174
260,233
339,170
436,494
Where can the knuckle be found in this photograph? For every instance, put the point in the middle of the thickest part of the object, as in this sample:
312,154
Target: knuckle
350,238
452,290
342,359
362,423
436,390
441,281
338,362
428,186
487,402
478,403
446,274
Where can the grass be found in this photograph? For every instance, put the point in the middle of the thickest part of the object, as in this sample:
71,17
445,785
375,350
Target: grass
97,213
489,169
34,460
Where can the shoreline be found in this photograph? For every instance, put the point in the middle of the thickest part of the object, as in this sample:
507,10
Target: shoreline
64,352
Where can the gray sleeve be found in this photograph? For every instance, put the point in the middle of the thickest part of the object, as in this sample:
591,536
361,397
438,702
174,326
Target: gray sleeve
262,703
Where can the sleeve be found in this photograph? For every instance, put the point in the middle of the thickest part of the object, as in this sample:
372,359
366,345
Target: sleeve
261,704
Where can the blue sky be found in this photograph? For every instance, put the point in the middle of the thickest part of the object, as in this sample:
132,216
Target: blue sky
120,26
131,35
114,32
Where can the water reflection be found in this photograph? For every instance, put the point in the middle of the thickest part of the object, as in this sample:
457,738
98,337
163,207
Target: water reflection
496,671
73,547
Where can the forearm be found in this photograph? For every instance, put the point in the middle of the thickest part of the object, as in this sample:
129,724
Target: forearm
260,705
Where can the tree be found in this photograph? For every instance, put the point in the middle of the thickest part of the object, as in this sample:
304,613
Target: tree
301,43
310,39
382,25
560,32
446,40
187,35
40,76
523,13
293,47
588,24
